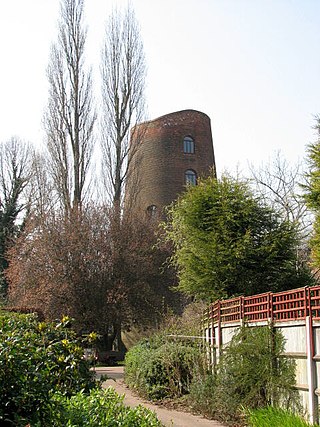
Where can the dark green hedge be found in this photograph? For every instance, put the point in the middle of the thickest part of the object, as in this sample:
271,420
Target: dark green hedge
160,369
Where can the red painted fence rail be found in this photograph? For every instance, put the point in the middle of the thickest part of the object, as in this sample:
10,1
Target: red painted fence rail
295,304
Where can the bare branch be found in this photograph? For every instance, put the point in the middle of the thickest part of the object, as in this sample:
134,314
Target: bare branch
279,183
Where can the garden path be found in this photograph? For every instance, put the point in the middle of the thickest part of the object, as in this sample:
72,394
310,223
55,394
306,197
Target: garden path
169,417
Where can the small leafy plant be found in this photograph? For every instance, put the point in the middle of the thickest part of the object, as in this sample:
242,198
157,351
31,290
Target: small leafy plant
104,408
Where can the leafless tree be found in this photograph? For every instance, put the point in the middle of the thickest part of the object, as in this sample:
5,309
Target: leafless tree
16,158
15,196
123,73
70,118
279,183
44,197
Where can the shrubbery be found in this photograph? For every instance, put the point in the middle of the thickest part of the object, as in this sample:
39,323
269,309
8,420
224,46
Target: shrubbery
102,408
251,373
46,382
36,360
160,369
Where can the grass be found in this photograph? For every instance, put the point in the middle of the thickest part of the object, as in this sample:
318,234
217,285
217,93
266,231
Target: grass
275,417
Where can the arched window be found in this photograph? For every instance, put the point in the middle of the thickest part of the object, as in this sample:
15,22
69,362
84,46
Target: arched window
190,177
151,211
188,145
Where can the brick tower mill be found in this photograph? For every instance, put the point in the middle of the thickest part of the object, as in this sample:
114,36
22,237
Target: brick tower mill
168,154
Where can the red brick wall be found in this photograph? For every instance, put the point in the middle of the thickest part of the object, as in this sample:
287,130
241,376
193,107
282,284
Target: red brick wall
157,172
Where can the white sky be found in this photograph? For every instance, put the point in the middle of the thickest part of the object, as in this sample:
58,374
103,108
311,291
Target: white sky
252,65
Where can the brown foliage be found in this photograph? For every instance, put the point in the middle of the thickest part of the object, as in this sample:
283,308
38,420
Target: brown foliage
92,267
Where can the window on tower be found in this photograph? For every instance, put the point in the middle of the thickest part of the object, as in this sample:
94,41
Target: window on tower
152,211
188,145
190,177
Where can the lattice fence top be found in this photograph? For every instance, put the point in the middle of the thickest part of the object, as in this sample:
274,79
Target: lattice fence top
295,304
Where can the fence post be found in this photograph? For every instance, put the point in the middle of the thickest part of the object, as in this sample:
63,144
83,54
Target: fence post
311,369
270,306
219,334
241,308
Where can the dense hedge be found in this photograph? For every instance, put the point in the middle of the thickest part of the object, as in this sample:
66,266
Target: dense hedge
159,369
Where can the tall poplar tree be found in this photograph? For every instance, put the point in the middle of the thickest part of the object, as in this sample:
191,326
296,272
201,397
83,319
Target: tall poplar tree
70,116
123,72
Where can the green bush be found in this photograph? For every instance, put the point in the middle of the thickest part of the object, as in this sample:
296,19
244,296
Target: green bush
159,369
275,417
101,408
36,360
251,373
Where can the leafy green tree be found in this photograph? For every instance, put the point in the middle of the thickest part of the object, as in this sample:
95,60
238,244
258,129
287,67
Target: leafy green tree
228,242
313,193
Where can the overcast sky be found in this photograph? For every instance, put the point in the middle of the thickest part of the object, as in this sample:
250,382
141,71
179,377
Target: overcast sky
252,65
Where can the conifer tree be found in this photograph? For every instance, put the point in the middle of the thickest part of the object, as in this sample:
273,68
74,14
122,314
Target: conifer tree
227,242
313,193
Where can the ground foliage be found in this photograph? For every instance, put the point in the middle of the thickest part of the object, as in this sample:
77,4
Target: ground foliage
158,368
45,381
275,417
228,242
162,365
251,373
102,408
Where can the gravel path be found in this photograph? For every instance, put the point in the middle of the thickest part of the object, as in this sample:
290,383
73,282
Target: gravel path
169,417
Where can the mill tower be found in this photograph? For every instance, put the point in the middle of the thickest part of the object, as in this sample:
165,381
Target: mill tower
169,153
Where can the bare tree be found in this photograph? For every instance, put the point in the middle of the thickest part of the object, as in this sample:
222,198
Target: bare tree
279,183
15,175
70,118
44,197
123,72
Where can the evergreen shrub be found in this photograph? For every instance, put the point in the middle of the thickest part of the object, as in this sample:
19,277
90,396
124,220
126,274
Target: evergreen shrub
160,369
37,359
251,373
